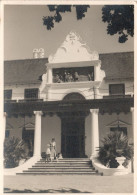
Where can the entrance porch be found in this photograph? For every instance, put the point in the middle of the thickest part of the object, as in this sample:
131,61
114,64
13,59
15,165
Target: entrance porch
77,125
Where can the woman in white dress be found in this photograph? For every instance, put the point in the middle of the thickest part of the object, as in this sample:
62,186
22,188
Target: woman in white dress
53,149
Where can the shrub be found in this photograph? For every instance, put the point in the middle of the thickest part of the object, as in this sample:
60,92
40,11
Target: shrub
114,145
15,149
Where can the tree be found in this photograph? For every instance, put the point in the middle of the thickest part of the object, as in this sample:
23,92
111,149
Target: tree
119,18
15,149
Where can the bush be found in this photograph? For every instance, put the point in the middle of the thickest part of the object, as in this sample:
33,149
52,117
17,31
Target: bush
15,149
114,145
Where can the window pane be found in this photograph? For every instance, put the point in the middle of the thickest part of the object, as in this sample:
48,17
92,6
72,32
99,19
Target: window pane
31,93
116,89
8,94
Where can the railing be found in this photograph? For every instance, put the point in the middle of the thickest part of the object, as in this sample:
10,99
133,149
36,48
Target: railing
10,101
31,100
116,96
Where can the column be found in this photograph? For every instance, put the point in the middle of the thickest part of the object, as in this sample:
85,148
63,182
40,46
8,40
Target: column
37,134
49,74
97,72
94,132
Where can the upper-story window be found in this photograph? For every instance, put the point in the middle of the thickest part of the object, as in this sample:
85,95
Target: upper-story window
8,94
117,89
31,93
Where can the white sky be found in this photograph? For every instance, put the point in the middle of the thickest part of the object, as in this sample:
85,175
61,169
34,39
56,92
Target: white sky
24,31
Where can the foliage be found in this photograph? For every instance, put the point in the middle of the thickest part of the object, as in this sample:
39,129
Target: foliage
114,145
119,18
59,9
15,149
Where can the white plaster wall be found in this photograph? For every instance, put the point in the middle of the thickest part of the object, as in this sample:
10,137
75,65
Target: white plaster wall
104,87
51,128
18,90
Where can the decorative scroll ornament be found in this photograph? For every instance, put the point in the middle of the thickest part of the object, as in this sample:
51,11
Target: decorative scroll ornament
73,50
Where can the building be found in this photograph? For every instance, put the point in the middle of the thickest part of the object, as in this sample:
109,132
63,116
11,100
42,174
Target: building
76,96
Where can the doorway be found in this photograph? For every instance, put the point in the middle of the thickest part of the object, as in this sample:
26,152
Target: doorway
73,137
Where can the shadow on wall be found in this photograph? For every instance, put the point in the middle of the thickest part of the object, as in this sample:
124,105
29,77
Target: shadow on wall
63,190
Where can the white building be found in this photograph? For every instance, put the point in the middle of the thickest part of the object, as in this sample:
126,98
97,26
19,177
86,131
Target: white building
76,96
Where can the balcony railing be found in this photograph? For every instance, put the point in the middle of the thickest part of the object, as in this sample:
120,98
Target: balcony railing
116,96
31,100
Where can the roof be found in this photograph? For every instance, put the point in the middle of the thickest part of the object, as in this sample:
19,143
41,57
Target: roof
115,65
24,71
118,65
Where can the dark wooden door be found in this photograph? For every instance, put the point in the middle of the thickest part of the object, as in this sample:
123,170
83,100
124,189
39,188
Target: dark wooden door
28,137
73,138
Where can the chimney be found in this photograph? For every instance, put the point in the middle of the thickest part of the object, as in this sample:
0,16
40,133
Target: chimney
38,53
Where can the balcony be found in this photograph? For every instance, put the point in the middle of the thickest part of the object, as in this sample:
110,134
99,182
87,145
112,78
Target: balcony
79,74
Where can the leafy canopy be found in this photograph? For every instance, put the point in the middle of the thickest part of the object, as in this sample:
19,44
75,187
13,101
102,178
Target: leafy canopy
119,18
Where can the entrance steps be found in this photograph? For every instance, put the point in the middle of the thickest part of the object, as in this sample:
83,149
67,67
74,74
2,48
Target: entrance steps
66,166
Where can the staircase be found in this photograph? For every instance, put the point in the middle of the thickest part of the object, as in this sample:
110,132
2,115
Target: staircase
67,166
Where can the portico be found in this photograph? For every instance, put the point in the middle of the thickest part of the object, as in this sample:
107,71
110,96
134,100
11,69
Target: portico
83,121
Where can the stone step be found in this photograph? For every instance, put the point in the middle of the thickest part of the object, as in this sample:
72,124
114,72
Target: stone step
58,162
60,169
59,173
64,160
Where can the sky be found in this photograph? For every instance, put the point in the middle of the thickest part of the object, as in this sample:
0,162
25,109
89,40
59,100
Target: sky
24,31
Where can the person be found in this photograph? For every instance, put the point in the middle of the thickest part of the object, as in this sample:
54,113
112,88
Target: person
76,76
48,153
53,149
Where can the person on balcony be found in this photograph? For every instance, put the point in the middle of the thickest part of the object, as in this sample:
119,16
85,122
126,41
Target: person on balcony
76,76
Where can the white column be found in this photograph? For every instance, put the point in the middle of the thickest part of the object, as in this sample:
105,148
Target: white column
37,135
132,111
49,74
97,72
94,132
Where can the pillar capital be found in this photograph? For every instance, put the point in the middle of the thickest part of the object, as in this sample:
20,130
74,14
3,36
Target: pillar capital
38,112
96,111
132,109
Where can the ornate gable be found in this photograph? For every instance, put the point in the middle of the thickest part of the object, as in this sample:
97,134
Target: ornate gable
73,50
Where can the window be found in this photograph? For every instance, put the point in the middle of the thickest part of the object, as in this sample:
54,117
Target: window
7,133
8,94
117,89
122,129
31,93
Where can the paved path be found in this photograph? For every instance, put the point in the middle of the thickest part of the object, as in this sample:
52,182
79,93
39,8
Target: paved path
69,184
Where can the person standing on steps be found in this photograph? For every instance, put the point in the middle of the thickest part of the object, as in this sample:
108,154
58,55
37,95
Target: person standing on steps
53,149
48,153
